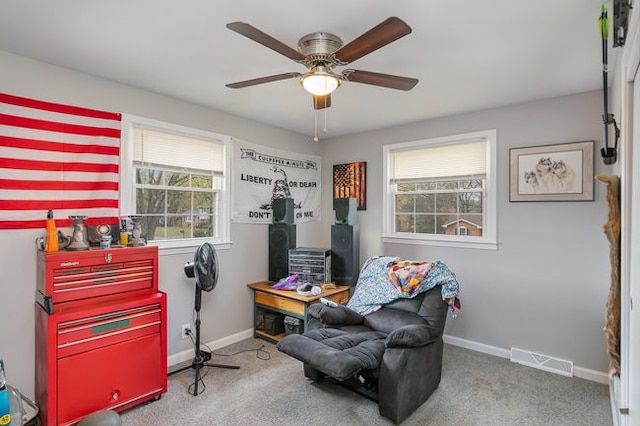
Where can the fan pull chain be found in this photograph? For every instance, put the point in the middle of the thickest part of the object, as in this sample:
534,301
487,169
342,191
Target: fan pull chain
315,124
325,121
315,120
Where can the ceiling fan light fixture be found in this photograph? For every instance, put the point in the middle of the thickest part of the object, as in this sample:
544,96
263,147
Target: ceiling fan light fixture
320,81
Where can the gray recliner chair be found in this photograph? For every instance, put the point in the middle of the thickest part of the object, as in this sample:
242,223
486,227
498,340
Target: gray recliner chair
393,355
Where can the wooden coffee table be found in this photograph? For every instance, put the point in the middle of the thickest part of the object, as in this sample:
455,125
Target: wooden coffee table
289,303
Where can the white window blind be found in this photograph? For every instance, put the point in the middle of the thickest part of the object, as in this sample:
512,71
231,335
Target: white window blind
160,148
464,159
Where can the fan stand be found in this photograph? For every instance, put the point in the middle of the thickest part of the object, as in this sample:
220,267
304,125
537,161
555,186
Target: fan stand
199,360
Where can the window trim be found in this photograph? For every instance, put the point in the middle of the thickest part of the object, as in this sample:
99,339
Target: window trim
127,188
489,239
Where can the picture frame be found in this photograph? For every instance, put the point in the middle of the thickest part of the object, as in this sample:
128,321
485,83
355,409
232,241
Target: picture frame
561,172
350,180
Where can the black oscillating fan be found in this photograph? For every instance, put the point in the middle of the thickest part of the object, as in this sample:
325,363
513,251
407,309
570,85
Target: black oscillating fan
205,270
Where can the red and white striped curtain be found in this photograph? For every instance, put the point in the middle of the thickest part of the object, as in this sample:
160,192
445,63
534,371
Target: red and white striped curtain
59,157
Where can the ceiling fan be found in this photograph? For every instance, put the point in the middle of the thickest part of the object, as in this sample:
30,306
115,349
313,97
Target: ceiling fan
321,52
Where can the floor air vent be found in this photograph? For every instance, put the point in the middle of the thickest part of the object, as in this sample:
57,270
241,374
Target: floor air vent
542,362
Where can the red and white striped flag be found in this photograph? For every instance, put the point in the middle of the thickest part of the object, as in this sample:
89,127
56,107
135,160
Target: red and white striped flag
59,157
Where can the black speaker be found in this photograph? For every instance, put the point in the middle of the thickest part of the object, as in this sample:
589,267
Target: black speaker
282,237
346,209
345,254
283,210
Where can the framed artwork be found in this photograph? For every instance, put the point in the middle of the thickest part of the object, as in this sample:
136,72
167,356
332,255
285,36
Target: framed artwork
349,180
562,172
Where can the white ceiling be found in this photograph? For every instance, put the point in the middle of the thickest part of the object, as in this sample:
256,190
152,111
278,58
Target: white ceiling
468,54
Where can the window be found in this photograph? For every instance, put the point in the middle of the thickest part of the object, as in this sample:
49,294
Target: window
176,179
441,191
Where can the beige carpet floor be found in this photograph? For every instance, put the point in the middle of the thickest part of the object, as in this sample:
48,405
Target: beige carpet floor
476,389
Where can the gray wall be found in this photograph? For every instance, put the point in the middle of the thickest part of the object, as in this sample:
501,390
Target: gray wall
544,289
228,309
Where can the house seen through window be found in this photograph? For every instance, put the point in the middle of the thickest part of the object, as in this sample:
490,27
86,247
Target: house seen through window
441,190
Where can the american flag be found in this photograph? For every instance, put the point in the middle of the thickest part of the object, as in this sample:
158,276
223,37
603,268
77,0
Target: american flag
59,157
349,181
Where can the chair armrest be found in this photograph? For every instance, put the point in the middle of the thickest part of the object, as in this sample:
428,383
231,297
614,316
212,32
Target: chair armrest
339,315
412,335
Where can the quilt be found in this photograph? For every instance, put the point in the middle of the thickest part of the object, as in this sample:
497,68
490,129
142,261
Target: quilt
384,279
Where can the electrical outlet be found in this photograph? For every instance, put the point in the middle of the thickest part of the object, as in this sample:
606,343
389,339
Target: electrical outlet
186,330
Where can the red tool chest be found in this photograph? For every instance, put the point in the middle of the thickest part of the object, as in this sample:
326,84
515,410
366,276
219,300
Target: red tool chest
100,332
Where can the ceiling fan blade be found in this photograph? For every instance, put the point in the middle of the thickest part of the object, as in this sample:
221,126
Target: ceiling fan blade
321,102
262,80
264,39
377,37
377,79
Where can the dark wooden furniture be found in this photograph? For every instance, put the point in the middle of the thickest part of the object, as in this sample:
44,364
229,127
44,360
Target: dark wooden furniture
287,302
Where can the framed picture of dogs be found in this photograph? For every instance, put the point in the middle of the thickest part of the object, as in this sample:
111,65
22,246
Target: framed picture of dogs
561,172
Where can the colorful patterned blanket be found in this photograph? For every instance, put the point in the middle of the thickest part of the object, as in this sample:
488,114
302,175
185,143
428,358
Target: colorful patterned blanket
384,279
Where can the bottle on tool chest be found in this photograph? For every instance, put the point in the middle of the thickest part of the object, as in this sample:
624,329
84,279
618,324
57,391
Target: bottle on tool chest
52,233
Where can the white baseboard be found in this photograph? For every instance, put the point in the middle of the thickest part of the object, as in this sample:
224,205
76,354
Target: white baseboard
475,346
584,373
216,344
593,375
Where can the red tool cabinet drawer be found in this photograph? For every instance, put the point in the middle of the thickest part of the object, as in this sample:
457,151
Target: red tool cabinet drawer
90,333
107,354
65,277
111,377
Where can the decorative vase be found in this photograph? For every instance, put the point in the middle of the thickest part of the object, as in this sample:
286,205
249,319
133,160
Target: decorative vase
136,232
79,239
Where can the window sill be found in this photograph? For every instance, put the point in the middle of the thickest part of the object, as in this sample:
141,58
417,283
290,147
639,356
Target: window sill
186,246
478,245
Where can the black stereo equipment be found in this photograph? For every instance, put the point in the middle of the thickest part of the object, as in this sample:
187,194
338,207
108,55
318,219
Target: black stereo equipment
282,237
283,210
345,254
312,265
346,209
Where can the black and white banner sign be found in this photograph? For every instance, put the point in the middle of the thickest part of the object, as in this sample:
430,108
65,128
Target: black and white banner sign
261,174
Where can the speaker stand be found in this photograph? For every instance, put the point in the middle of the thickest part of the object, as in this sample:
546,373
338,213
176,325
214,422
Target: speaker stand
199,360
